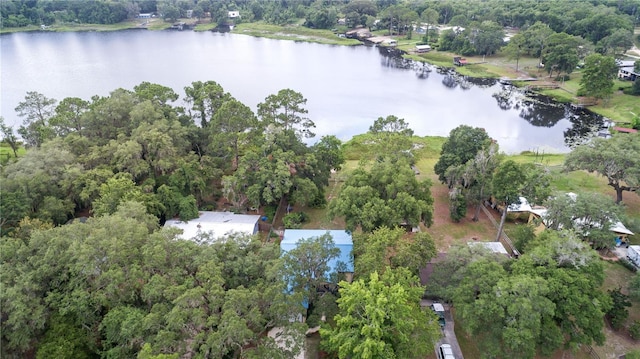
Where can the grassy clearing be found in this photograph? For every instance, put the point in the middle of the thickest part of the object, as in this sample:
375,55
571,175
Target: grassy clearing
467,343
616,276
292,32
620,107
546,159
150,24
6,153
205,26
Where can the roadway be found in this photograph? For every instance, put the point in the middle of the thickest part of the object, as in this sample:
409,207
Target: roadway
449,335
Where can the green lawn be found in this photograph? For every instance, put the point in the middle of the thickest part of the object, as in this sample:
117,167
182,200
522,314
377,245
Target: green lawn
292,32
6,153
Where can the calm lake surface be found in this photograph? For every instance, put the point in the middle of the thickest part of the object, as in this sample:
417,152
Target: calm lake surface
347,88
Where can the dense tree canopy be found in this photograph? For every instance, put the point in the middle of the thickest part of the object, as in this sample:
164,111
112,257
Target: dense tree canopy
391,248
591,215
381,317
549,297
116,282
386,195
172,165
462,145
597,76
306,268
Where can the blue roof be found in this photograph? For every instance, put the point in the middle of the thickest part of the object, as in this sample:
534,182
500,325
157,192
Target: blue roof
341,238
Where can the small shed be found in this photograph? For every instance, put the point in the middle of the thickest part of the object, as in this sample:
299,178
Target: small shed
216,224
341,238
423,48
495,247
233,14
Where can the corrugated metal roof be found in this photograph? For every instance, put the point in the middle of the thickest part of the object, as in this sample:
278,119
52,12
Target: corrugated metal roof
495,247
342,240
218,224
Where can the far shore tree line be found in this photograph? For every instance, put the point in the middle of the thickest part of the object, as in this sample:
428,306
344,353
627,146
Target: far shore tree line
563,35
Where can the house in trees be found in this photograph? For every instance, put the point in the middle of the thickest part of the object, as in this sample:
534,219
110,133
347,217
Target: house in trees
515,211
342,264
537,217
216,225
626,71
233,14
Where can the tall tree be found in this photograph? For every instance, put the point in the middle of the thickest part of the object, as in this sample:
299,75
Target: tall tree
232,127
286,110
37,110
449,273
489,38
69,116
574,274
430,17
392,137
478,174
615,158
381,318
391,248
617,43
516,48
597,76
386,195
537,38
306,267
512,181
506,313
205,99
463,144
561,54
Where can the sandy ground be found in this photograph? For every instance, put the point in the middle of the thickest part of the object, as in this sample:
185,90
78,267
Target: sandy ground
634,52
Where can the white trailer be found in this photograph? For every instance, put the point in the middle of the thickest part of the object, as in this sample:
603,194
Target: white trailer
633,252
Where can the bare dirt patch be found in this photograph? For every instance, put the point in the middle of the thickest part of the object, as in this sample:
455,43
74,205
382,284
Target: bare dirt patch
445,232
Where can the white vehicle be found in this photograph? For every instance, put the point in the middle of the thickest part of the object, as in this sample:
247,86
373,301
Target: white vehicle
445,352
633,252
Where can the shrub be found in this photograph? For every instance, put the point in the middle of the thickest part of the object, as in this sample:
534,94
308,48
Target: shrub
634,331
457,205
294,220
270,211
634,287
618,312
522,235
625,263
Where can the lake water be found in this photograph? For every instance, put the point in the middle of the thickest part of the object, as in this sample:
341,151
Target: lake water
347,88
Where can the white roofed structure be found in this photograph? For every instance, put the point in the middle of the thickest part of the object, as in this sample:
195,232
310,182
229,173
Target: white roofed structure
495,247
522,206
216,224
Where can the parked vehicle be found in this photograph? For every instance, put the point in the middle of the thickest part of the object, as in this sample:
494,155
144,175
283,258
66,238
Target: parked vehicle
439,310
445,352
633,252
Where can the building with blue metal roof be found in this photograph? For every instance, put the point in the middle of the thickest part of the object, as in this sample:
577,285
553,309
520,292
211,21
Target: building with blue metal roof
341,238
